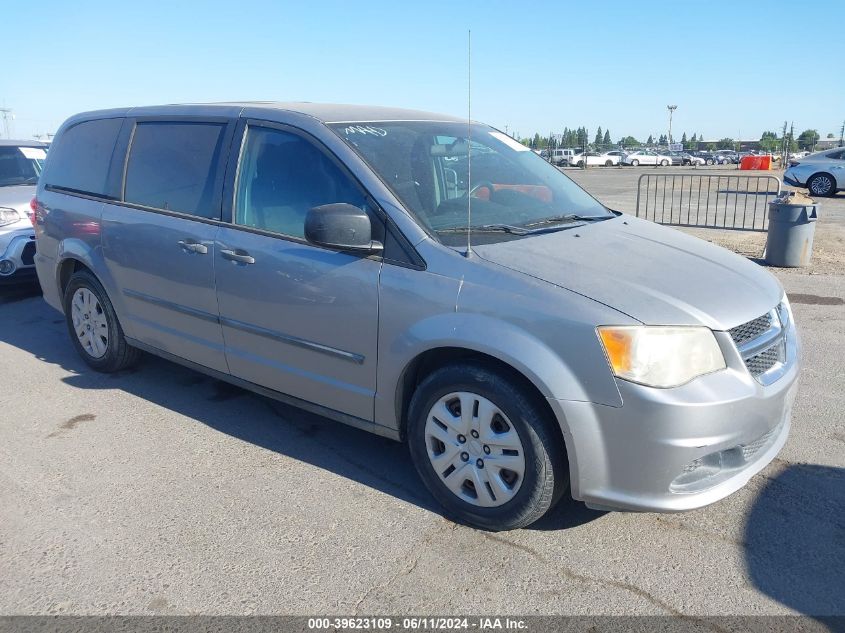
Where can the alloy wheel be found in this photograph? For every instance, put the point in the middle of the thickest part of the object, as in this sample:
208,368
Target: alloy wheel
821,185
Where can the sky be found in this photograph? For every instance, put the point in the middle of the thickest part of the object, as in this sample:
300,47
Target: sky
734,69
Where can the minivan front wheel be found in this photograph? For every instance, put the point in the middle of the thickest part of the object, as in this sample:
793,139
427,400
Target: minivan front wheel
93,326
484,448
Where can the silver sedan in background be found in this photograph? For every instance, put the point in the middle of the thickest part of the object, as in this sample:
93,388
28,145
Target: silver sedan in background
823,173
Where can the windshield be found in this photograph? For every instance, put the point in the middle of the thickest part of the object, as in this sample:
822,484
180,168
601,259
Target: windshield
512,191
20,165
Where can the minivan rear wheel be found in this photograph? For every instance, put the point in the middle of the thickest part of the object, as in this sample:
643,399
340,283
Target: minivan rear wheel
93,325
484,447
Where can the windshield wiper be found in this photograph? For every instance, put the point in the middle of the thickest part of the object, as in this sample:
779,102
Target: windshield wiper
569,217
509,228
488,228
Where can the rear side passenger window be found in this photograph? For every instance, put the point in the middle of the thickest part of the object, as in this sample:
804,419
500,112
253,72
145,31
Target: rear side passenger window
174,165
79,160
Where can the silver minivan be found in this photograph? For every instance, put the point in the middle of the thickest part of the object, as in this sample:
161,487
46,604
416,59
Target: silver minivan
429,280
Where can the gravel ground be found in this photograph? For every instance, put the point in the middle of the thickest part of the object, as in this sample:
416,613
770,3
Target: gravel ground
160,491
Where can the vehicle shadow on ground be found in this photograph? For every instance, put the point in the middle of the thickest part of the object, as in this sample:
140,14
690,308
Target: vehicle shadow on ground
374,461
795,540
14,294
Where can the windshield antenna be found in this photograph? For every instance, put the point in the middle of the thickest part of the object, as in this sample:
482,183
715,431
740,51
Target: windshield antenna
469,144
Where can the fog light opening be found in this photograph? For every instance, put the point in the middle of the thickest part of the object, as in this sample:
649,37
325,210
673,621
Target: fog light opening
7,267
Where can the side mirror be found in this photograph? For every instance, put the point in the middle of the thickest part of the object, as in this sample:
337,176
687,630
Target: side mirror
341,226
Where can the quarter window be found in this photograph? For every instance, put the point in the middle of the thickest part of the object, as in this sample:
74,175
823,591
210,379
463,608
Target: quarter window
174,166
81,156
281,177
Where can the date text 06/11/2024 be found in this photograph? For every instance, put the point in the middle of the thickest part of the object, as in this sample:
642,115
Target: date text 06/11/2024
415,624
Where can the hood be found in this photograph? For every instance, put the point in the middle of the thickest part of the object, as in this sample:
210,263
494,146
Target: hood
654,274
17,197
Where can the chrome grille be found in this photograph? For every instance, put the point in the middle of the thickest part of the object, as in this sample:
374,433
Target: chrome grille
761,344
765,360
741,334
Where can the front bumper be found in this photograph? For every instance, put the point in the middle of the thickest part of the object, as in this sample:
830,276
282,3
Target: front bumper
669,450
791,180
17,253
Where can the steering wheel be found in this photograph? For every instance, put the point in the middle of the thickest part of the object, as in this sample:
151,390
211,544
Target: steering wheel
484,184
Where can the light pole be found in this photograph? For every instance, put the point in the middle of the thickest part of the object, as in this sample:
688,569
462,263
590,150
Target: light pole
671,109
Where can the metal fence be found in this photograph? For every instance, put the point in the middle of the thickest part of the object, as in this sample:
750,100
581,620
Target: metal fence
717,201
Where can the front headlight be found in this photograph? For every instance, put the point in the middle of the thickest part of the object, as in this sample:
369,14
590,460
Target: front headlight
8,216
660,356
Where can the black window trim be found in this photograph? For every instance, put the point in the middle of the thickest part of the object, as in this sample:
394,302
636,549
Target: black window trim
412,257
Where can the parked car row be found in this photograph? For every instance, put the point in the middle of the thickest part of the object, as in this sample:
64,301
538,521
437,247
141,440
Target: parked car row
569,157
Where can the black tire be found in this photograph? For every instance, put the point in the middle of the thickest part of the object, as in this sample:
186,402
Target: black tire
119,354
709,161
822,185
635,163
608,163
546,475
664,163
580,163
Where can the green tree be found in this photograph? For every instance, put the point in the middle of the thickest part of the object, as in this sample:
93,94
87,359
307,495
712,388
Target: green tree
599,137
650,140
535,143
710,146
726,143
830,135
582,137
684,140
769,142
807,139
629,141
606,140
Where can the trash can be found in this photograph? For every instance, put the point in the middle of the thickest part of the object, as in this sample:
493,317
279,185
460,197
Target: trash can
791,229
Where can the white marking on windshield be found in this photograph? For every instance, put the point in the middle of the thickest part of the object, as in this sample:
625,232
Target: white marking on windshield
364,129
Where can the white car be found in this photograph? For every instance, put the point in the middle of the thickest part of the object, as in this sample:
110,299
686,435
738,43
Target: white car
605,159
20,166
823,173
647,157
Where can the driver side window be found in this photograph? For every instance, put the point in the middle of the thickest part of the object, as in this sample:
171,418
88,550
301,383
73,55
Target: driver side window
281,177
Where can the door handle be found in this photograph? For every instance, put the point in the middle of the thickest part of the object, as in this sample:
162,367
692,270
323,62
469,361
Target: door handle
237,256
193,246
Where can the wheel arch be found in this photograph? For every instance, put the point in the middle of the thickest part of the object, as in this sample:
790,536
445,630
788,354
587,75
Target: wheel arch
75,255
65,270
430,360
